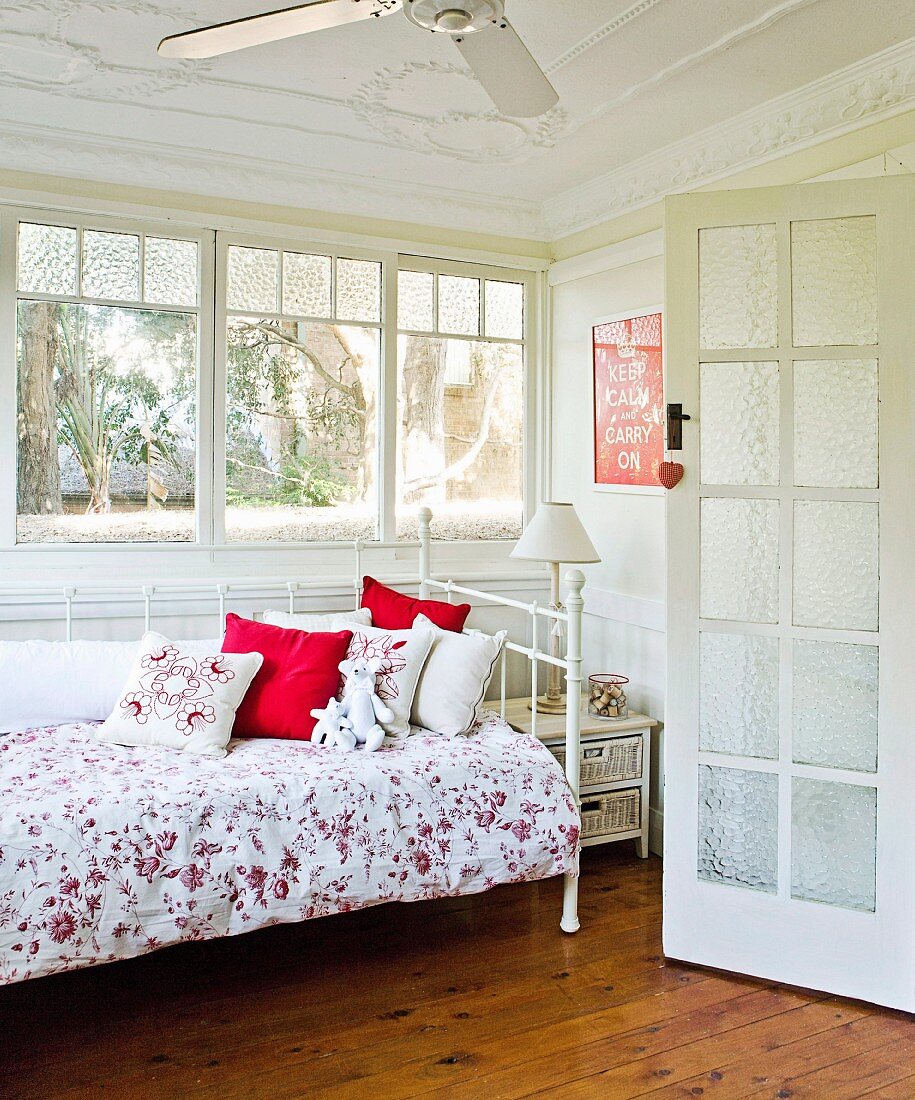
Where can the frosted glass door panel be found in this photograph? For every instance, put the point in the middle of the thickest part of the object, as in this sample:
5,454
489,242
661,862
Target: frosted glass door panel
739,559
738,404
738,694
835,423
833,843
738,287
738,828
836,564
835,705
834,281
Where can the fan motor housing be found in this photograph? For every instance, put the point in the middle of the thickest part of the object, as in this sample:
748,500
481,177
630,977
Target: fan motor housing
454,16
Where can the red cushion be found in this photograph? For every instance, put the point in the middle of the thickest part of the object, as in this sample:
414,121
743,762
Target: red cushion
394,611
299,673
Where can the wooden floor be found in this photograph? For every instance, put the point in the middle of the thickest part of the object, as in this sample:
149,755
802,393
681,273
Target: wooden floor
480,997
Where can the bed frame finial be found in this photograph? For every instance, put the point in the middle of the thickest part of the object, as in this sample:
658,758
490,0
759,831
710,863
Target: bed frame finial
424,515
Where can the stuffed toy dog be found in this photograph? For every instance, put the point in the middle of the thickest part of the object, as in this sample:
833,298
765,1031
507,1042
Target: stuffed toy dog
360,705
334,729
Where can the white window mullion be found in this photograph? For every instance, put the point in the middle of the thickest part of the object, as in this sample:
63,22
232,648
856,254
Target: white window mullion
8,397
206,390
218,435
388,428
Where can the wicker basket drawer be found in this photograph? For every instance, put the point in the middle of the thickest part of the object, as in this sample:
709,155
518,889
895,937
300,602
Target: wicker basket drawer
607,760
613,812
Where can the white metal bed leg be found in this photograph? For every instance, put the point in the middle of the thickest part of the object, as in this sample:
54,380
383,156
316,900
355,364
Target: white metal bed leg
574,604
425,550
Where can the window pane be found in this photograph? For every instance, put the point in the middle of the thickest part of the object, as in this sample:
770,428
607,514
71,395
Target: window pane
738,287
106,413
416,300
459,305
306,284
301,431
111,266
171,272
461,414
252,279
47,259
358,290
505,310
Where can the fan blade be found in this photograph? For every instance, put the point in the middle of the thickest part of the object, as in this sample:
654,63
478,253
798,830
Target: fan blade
510,76
272,26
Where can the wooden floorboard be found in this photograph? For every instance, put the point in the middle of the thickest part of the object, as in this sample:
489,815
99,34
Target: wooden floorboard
477,998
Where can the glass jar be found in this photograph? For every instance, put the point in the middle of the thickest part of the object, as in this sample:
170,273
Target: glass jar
607,696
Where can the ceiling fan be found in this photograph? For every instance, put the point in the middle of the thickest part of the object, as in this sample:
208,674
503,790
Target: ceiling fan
488,42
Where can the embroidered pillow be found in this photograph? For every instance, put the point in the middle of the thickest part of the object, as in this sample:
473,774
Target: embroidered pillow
395,611
299,673
181,696
338,620
403,654
453,682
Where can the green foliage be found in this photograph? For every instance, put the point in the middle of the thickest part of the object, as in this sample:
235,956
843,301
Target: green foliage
302,481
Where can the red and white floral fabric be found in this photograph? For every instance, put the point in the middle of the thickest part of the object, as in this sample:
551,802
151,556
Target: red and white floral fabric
181,695
108,852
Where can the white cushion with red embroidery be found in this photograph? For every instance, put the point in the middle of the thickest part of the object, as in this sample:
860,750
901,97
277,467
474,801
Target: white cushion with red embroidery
181,695
403,654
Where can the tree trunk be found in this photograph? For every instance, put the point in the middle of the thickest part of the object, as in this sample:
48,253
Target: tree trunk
38,468
423,447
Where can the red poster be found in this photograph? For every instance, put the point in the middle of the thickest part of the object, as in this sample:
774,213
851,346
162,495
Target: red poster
628,401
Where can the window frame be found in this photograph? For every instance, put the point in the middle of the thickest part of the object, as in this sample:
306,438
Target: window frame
210,546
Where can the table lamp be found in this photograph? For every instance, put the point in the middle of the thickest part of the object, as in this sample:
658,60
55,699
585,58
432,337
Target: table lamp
555,535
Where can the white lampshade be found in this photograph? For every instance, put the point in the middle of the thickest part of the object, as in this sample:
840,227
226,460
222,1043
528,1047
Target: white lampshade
555,534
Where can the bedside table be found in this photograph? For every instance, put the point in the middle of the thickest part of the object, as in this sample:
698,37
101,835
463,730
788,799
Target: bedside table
615,768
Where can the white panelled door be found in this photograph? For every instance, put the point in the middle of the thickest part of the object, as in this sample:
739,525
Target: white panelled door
790,733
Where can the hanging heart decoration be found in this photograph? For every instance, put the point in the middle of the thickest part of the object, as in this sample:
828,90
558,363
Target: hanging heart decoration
670,473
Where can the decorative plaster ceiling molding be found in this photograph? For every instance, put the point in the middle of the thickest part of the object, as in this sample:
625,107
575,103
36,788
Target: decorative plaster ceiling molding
600,34
869,91
146,164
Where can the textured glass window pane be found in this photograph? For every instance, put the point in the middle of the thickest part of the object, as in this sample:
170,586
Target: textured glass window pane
835,705
739,560
738,695
358,290
47,259
458,304
834,843
738,287
738,404
738,828
111,265
252,279
306,284
505,310
133,372
834,281
416,300
836,564
301,431
461,437
835,423
171,272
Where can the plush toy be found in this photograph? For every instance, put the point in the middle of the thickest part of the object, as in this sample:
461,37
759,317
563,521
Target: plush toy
361,706
334,729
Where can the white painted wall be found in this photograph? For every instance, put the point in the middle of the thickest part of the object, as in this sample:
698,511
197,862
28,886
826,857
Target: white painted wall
624,599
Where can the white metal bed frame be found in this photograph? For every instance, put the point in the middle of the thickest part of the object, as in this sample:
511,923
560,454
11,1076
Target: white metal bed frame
571,617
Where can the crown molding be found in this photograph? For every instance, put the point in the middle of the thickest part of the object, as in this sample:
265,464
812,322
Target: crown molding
134,163
877,88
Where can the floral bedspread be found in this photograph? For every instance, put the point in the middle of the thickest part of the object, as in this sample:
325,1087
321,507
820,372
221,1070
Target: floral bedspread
108,852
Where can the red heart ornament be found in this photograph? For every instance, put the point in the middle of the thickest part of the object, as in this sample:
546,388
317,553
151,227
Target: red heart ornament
670,473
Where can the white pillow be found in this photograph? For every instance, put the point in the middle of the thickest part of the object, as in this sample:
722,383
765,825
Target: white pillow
404,653
53,683
181,697
455,678
337,620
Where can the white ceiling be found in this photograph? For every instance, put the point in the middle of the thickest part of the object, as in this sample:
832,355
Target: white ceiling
379,118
